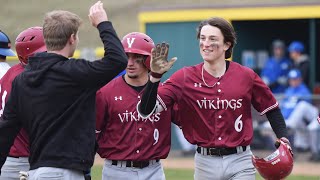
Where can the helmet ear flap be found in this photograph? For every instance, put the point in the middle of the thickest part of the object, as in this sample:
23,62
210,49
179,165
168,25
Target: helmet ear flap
146,62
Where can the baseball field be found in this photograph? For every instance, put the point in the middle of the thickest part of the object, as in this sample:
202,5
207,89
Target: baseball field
187,174
181,168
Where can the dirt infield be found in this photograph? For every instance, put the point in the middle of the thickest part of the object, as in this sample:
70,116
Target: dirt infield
301,166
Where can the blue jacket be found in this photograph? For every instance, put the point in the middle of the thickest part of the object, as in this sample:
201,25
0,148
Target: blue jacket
293,95
273,70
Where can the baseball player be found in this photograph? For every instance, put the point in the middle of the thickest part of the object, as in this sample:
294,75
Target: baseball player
53,99
5,51
300,60
28,42
131,145
275,70
214,99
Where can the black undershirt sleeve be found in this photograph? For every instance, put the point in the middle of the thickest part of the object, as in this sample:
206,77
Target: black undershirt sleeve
277,123
149,97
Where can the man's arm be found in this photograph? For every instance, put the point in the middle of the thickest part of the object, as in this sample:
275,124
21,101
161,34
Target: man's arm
159,65
101,112
101,71
149,97
9,126
277,123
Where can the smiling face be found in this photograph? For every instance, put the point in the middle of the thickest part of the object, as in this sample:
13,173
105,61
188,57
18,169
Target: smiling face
211,44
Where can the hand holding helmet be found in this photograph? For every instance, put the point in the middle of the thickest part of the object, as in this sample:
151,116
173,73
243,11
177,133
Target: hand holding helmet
287,143
279,164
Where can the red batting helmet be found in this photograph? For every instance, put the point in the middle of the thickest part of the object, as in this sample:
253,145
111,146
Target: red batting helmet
138,43
29,42
276,166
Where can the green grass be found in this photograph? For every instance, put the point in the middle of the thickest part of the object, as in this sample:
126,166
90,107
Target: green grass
179,174
187,174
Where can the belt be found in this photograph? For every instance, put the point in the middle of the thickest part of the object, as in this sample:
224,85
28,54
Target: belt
220,151
135,164
17,157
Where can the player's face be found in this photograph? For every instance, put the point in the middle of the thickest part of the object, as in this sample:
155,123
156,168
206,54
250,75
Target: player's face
135,67
278,52
294,55
211,43
294,82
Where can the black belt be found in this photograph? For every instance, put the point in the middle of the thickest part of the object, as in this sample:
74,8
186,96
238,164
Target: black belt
17,157
219,151
135,164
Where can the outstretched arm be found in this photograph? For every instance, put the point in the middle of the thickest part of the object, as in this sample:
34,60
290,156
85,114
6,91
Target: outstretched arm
159,65
149,97
99,72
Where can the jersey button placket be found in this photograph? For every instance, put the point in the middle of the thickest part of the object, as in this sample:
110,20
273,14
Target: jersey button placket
219,90
220,94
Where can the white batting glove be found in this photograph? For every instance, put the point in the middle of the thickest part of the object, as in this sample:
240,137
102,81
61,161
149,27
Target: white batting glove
23,175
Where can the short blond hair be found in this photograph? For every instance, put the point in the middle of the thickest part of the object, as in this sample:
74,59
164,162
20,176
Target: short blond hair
58,26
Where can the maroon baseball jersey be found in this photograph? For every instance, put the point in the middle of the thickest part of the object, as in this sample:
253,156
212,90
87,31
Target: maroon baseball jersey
216,112
122,133
20,147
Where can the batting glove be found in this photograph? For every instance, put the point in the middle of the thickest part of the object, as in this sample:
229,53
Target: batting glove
159,60
23,175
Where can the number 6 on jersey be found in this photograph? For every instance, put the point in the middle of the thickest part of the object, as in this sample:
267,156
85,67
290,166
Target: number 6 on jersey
238,124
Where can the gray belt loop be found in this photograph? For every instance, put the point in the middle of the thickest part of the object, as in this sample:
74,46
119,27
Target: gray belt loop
239,149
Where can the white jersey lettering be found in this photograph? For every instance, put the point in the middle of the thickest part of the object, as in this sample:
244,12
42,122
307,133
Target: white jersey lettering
219,104
238,124
3,98
135,116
